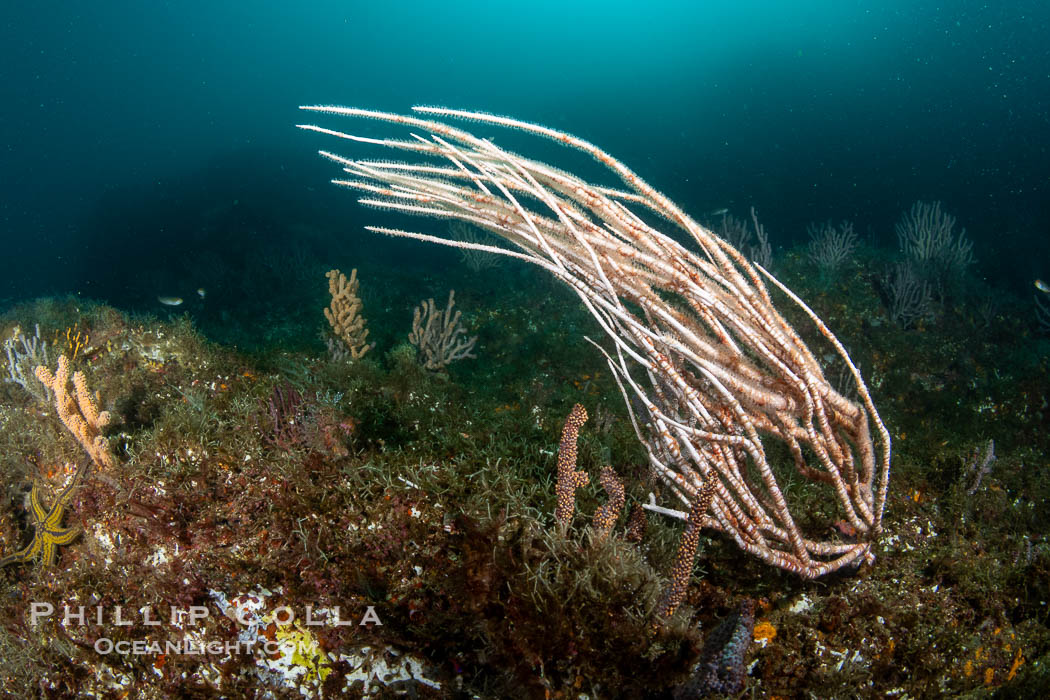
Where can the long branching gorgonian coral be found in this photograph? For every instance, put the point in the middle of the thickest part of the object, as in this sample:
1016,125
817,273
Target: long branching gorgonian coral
712,372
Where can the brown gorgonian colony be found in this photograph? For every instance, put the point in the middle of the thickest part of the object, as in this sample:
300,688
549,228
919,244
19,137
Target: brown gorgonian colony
712,373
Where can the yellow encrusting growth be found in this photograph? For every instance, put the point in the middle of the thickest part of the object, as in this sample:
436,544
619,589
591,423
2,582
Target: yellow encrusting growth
764,631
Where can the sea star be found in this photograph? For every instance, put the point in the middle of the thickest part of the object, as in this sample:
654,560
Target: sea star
48,533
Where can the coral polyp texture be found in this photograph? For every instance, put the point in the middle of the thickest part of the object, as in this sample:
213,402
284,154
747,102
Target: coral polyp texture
344,317
685,556
78,410
569,477
606,515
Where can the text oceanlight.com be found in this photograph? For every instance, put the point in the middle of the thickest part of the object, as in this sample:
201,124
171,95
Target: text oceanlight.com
192,616
105,645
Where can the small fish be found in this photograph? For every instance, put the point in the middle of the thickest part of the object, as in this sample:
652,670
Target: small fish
201,293
720,212
170,301
1042,286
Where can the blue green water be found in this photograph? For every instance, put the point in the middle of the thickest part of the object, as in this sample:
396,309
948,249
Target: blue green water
148,148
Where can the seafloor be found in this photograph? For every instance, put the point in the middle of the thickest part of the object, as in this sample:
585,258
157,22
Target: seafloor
424,500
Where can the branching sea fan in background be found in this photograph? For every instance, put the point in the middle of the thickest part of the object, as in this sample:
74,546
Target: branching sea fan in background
438,336
714,372
928,240
831,248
